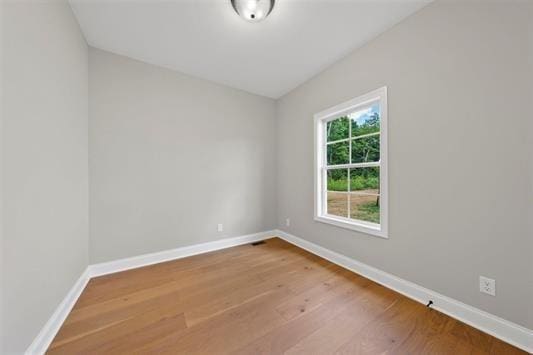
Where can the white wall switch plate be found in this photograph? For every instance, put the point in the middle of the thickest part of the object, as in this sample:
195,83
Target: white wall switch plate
487,285
220,227
288,222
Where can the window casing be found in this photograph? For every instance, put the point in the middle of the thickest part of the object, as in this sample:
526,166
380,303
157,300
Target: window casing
351,188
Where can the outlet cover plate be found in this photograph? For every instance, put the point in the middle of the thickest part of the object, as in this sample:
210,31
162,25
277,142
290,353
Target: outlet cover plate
487,285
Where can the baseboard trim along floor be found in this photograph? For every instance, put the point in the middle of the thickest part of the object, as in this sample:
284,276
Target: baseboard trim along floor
52,326
509,332
172,254
500,328
43,340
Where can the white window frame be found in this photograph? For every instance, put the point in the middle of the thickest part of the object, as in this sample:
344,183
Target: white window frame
321,119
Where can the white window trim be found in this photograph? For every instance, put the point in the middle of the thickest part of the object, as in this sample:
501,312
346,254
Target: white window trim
321,118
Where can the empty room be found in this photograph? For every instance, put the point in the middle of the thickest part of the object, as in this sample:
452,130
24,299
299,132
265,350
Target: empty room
266,177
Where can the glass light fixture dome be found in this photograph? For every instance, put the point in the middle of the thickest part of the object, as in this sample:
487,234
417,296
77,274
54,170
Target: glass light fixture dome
253,10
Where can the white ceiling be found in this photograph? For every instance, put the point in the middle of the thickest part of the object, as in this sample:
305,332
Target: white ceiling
207,39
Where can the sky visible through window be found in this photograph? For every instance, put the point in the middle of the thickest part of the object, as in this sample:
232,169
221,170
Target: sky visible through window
362,116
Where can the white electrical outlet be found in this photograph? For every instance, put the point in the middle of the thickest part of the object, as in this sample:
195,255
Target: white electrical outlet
220,227
487,285
288,222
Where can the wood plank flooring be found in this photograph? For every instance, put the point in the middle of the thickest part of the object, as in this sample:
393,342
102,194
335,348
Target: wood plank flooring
272,298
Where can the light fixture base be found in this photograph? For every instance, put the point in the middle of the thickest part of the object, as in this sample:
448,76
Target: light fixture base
253,10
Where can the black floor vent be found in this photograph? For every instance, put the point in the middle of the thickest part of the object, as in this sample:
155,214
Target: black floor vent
258,243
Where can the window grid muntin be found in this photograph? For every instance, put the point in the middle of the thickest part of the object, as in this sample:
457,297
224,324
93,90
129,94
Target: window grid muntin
350,165
366,135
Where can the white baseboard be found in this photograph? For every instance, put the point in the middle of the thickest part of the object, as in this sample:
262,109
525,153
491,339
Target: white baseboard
178,253
50,329
43,340
509,332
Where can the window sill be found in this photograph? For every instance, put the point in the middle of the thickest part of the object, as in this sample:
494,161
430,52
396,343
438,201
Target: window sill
367,228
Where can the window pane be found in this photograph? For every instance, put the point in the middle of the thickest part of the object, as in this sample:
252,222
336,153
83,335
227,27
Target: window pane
337,204
338,153
364,207
338,180
365,149
365,120
338,129
365,180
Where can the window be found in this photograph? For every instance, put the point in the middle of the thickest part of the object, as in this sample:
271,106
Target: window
351,164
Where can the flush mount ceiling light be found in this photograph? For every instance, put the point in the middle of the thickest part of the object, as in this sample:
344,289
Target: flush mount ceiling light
253,10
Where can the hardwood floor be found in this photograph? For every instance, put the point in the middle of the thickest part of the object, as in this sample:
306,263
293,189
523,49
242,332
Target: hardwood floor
271,298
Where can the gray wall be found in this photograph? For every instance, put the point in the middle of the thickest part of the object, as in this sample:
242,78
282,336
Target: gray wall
458,152
44,164
171,156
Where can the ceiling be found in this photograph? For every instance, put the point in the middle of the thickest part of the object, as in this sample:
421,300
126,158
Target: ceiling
207,39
